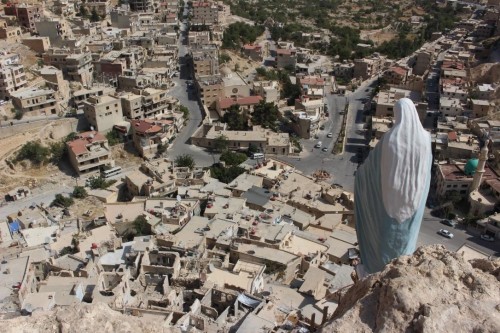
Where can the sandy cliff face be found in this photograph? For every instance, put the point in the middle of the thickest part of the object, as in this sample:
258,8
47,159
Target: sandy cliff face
83,318
432,291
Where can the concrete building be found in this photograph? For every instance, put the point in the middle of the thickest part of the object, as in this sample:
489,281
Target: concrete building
268,90
205,60
423,60
150,103
149,134
210,89
140,5
89,152
450,107
35,101
54,80
481,108
38,44
367,67
103,112
252,51
10,34
385,101
102,7
75,66
286,58
205,13
197,38
57,29
245,103
12,78
396,75
234,85
266,141
26,15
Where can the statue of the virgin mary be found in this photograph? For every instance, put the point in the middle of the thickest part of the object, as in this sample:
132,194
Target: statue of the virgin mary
391,189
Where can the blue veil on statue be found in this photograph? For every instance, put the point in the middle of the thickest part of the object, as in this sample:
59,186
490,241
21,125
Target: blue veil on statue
391,189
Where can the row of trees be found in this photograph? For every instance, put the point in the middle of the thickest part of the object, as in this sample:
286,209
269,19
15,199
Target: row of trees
264,114
239,33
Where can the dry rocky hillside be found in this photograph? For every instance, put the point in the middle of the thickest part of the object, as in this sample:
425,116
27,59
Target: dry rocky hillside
432,291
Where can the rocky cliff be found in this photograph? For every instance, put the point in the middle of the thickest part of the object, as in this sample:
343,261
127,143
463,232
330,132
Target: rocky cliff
433,290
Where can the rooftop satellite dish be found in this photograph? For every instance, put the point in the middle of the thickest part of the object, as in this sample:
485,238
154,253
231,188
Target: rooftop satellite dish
178,198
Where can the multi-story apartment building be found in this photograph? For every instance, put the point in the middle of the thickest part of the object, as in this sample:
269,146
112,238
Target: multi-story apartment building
210,89
35,101
38,44
268,90
26,15
423,61
140,5
286,58
103,112
12,78
102,7
148,134
196,38
205,12
115,63
75,66
151,102
367,67
205,60
89,152
10,34
56,29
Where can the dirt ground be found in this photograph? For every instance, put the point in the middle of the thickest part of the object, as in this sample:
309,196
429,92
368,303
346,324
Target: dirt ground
245,66
378,36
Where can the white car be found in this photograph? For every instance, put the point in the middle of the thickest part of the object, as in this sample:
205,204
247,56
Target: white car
329,135
487,238
445,233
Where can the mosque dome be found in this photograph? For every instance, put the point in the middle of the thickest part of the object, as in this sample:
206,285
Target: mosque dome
471,166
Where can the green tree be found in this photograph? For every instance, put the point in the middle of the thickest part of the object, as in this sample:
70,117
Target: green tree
185,112
33,151
185,161
62,201
224,57
141,225
70,137
83,11
161,148
225,174
79,192
114,138
57,151
252,148
100,183
233,158
19,115
239,33
94,17
235,119
266,115
221,143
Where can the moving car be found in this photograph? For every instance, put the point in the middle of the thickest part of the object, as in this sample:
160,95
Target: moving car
329,135
487,238
449,223
445,233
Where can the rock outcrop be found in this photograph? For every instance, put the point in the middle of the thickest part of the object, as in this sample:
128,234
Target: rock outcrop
83,318
433,290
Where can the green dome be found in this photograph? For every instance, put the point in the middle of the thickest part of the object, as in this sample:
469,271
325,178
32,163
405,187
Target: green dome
471,166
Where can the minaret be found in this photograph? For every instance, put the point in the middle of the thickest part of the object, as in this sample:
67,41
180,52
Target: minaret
478,175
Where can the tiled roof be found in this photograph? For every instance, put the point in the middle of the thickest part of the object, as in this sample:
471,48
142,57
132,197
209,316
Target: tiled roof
79,145
225,103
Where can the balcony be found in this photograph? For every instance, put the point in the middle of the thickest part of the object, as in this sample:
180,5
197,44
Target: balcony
95,154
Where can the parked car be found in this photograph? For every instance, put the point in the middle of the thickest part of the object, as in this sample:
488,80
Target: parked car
449,223
318,145
325,149
322,127
445,233
487,238
329,135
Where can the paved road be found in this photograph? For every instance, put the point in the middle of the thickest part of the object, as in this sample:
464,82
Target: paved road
34,119
431,225
188,98
342,167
